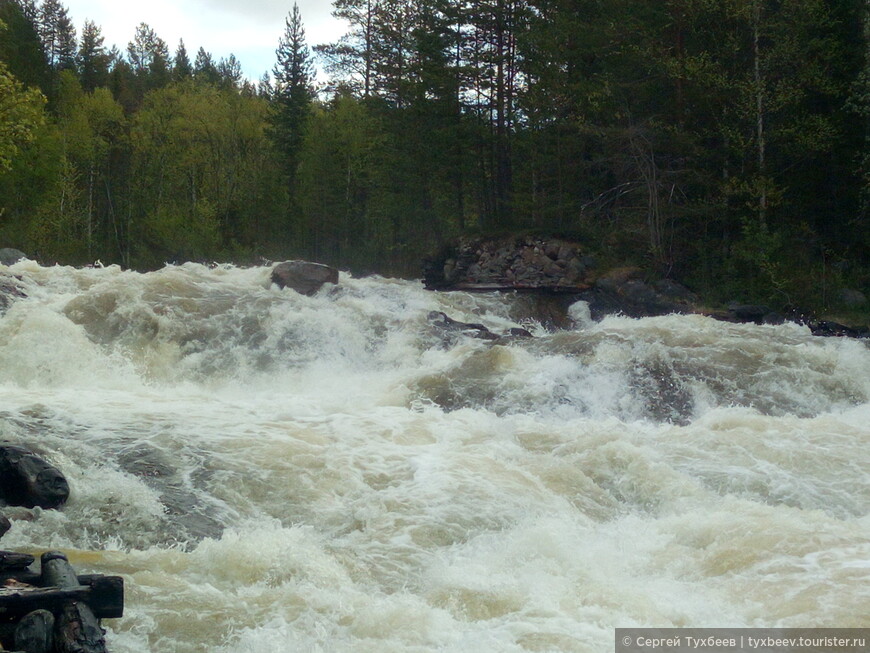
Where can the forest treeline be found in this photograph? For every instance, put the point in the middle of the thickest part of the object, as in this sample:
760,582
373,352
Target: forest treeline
723,142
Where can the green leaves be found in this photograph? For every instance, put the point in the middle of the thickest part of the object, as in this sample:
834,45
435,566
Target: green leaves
21,112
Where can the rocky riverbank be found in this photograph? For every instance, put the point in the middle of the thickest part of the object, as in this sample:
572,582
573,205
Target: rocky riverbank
558,272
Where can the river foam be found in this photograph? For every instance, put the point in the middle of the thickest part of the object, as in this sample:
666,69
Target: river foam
273,472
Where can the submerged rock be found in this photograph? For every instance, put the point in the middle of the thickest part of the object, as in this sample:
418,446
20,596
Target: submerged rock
10,290
27,480
303,277
448,325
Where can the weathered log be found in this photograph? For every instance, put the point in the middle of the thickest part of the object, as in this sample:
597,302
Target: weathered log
35,633
78,629
105,598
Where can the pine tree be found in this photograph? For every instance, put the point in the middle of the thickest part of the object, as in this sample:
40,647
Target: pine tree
351,59
149,56
58,35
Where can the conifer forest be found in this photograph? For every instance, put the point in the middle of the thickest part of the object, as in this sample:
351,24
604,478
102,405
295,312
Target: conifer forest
725,143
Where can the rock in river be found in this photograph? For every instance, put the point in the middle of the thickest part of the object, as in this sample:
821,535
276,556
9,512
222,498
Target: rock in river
303,277
27,480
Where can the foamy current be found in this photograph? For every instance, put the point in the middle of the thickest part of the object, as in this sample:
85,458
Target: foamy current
271,472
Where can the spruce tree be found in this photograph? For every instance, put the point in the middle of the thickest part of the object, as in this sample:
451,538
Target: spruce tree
293,93
93,59
181,69
230,72
204,69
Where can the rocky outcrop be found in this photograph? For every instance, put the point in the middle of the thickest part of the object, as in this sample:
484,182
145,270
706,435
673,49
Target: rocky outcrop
9,256
514,263
557,270
28,480
303,277
551,274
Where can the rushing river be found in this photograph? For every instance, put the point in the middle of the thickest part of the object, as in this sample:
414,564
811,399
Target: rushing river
271,472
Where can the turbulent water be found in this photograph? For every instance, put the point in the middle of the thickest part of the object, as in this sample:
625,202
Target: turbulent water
271,472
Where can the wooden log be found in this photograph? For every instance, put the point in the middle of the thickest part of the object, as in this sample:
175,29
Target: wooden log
30,577
78,629
105,597
35,633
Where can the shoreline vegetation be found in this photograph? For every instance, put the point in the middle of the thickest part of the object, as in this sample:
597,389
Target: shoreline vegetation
724,146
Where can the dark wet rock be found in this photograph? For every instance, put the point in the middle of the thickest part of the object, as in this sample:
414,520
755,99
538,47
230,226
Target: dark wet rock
28,480
10,290
748,312
303,277
834,329
773,318
9,560
667,399
5,525
624,291
448,325
550,310
192,517
519,333
10,256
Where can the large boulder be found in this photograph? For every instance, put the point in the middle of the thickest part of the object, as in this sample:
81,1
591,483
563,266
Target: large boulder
28,480
9,256
303,277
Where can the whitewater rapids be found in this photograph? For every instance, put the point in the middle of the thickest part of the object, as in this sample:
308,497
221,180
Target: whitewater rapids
271,472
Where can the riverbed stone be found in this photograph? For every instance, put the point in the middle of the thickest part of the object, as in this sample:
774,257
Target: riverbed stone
10,290
28,480
304,277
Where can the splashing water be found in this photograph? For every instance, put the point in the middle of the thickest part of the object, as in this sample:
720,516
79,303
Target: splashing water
274,472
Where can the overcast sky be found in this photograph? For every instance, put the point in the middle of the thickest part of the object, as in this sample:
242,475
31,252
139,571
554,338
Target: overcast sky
249,29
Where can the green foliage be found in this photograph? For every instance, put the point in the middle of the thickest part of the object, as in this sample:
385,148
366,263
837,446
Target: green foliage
725,143
20,115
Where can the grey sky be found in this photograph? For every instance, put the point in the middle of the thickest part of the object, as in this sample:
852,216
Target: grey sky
250,30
